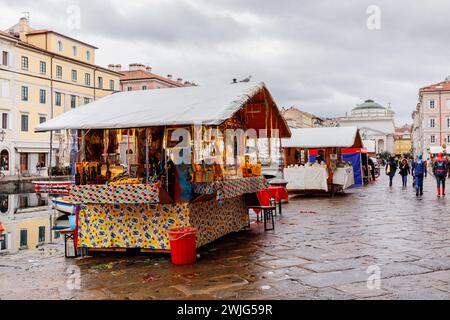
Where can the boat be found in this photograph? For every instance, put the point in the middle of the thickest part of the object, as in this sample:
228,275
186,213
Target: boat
55,187
63,205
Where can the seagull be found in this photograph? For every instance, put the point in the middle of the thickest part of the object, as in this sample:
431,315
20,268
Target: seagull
246,79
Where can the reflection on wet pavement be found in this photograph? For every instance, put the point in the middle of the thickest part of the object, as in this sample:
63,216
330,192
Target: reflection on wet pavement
322,248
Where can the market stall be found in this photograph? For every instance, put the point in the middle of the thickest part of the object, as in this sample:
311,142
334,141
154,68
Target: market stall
149,161
314,159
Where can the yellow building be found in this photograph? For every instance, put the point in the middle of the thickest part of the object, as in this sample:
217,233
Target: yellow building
43,74
402,141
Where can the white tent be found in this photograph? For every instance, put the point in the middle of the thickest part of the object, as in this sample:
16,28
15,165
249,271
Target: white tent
203,105
345,137
437,149
369,145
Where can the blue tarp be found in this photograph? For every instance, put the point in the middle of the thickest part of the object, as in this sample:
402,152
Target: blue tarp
355,160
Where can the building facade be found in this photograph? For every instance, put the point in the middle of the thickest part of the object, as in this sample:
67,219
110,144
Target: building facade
375,122
402,142
141,77
43,74
297,118
431,119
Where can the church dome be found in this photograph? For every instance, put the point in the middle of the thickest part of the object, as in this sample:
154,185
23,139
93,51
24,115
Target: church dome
369,104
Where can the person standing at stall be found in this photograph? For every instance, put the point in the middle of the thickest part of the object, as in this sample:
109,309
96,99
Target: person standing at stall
419,170
404,171
440,171
391,168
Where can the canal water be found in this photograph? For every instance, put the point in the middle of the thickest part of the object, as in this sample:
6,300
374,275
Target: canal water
28,219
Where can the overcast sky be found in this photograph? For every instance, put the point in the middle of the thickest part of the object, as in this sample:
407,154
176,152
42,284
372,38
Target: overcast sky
317,55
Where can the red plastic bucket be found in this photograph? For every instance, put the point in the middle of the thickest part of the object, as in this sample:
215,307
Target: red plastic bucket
182,245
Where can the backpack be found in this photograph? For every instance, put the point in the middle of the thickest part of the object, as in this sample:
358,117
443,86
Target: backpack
440,167
419,168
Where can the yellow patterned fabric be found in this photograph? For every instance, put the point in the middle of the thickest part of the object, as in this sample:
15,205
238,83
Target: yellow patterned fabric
144,226
129,226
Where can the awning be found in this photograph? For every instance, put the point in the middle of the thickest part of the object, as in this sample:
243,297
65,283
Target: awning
196,105
344,137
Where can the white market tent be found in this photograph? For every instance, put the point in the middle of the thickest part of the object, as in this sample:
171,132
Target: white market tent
369,145
329,137
437,149
202,105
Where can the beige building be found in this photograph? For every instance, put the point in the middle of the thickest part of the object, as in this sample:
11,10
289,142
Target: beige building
42,74
402,140
297,118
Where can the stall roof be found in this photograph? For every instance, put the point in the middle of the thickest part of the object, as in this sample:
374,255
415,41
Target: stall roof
346,137
204,105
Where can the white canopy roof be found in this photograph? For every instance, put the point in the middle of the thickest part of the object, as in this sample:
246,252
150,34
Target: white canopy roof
173,106
436,150
328,137
369,145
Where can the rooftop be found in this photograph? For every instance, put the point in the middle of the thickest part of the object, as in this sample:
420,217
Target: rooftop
441,86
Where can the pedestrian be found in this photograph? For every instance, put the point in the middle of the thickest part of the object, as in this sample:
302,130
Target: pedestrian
391,168
419,171
404,171
440,171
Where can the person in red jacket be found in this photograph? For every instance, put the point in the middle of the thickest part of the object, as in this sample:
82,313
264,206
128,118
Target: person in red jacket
440,171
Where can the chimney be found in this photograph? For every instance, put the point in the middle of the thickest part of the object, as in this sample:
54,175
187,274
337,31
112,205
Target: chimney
187,83
169,76
24,28
136,67
180,80
112,67
148,68
118,68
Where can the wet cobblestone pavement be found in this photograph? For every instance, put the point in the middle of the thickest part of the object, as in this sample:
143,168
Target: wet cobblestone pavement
321,249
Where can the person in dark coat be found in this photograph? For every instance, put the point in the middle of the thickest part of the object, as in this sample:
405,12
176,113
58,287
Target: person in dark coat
391,168
404,171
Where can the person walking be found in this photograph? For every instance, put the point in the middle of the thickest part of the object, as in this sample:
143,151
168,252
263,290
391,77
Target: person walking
391,168
419,171
440,171
404,171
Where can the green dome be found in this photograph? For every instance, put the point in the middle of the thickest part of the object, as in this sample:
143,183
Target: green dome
369,104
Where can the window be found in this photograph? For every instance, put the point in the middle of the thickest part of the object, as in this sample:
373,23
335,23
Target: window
129,88
60,46
4,88
433,139
42,119
41,234
448,103
24,93
74,75
87,100
58,99
144,87
59,72
448,138
74,51
73,101
42,67
88,55
3,242
432,123
4,120
24,63
24,122
23,238
111,84
100,82
42,95
87,79
5,59
432,104
448,122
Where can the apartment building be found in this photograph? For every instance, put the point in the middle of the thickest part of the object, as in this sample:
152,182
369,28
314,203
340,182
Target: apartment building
42,74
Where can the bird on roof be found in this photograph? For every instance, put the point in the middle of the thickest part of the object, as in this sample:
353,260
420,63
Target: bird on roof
246,79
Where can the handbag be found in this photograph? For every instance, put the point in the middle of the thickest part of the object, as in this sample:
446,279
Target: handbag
388,169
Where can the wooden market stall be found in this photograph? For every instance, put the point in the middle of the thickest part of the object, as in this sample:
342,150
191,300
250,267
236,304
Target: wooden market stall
148,161
326,171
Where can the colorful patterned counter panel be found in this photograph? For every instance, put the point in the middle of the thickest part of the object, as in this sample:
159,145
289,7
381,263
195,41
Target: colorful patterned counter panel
114,194
231,188
145,226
